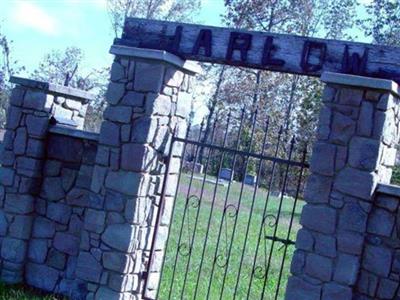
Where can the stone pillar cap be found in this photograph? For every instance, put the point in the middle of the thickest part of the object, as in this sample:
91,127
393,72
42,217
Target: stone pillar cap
361,81
59,90
160,55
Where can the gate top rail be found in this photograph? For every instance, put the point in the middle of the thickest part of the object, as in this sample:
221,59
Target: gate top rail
245,153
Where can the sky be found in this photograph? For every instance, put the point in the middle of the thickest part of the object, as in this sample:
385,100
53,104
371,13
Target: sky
38,26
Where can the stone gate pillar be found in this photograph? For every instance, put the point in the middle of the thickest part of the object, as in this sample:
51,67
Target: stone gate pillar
147,101
355,150
32,105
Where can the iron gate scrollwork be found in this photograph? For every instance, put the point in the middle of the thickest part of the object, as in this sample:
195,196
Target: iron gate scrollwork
232,238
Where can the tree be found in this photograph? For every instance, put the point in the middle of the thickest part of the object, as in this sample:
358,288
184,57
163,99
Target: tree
171,10
63,68
8,67
383,22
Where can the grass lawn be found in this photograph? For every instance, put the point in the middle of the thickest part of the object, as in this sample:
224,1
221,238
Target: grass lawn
19,292
212,274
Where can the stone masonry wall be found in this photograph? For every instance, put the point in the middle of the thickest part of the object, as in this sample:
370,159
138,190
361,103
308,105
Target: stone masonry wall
78,210
357,133
379,276
147,103
28,162
59,214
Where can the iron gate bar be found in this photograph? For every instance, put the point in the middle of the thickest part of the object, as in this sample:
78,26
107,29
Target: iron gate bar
244,153
160,212
212,205
186,206
279,214
239,203
198,210
265,208
225,202
252,204
291,219
226,212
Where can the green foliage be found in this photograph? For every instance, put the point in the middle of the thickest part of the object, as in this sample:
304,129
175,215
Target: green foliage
21,292
396,176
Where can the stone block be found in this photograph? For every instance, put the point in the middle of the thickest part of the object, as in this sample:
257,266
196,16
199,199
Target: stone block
114,201
353,218
304,240
387,288
85,175
7,158
99,175
298,262
318,189
109,134
3,223
121,114
17,96
21,227
56,259
364,125
319,267
19,204
94,220
37,126
323,159
129,183
20,141
59,212
137,210
388,202
68,177
144,130
334,291
13,250
381,222
342,129
298,289
35,100
347,268
123,283
41,276
119,262
133,99
378,260
88,268
14,115
349,96
117,71
157,104
64,148
319,218
138,157
35,148
66,243
29,167
37,251
43,228
7,176
115,92
173,77
120,237
148,77
364,153
325,245
350,242
367,283
356,183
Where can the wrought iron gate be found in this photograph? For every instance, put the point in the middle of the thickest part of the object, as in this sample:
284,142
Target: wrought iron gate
236,212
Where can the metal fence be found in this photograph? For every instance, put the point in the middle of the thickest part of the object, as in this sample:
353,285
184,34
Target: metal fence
236,212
